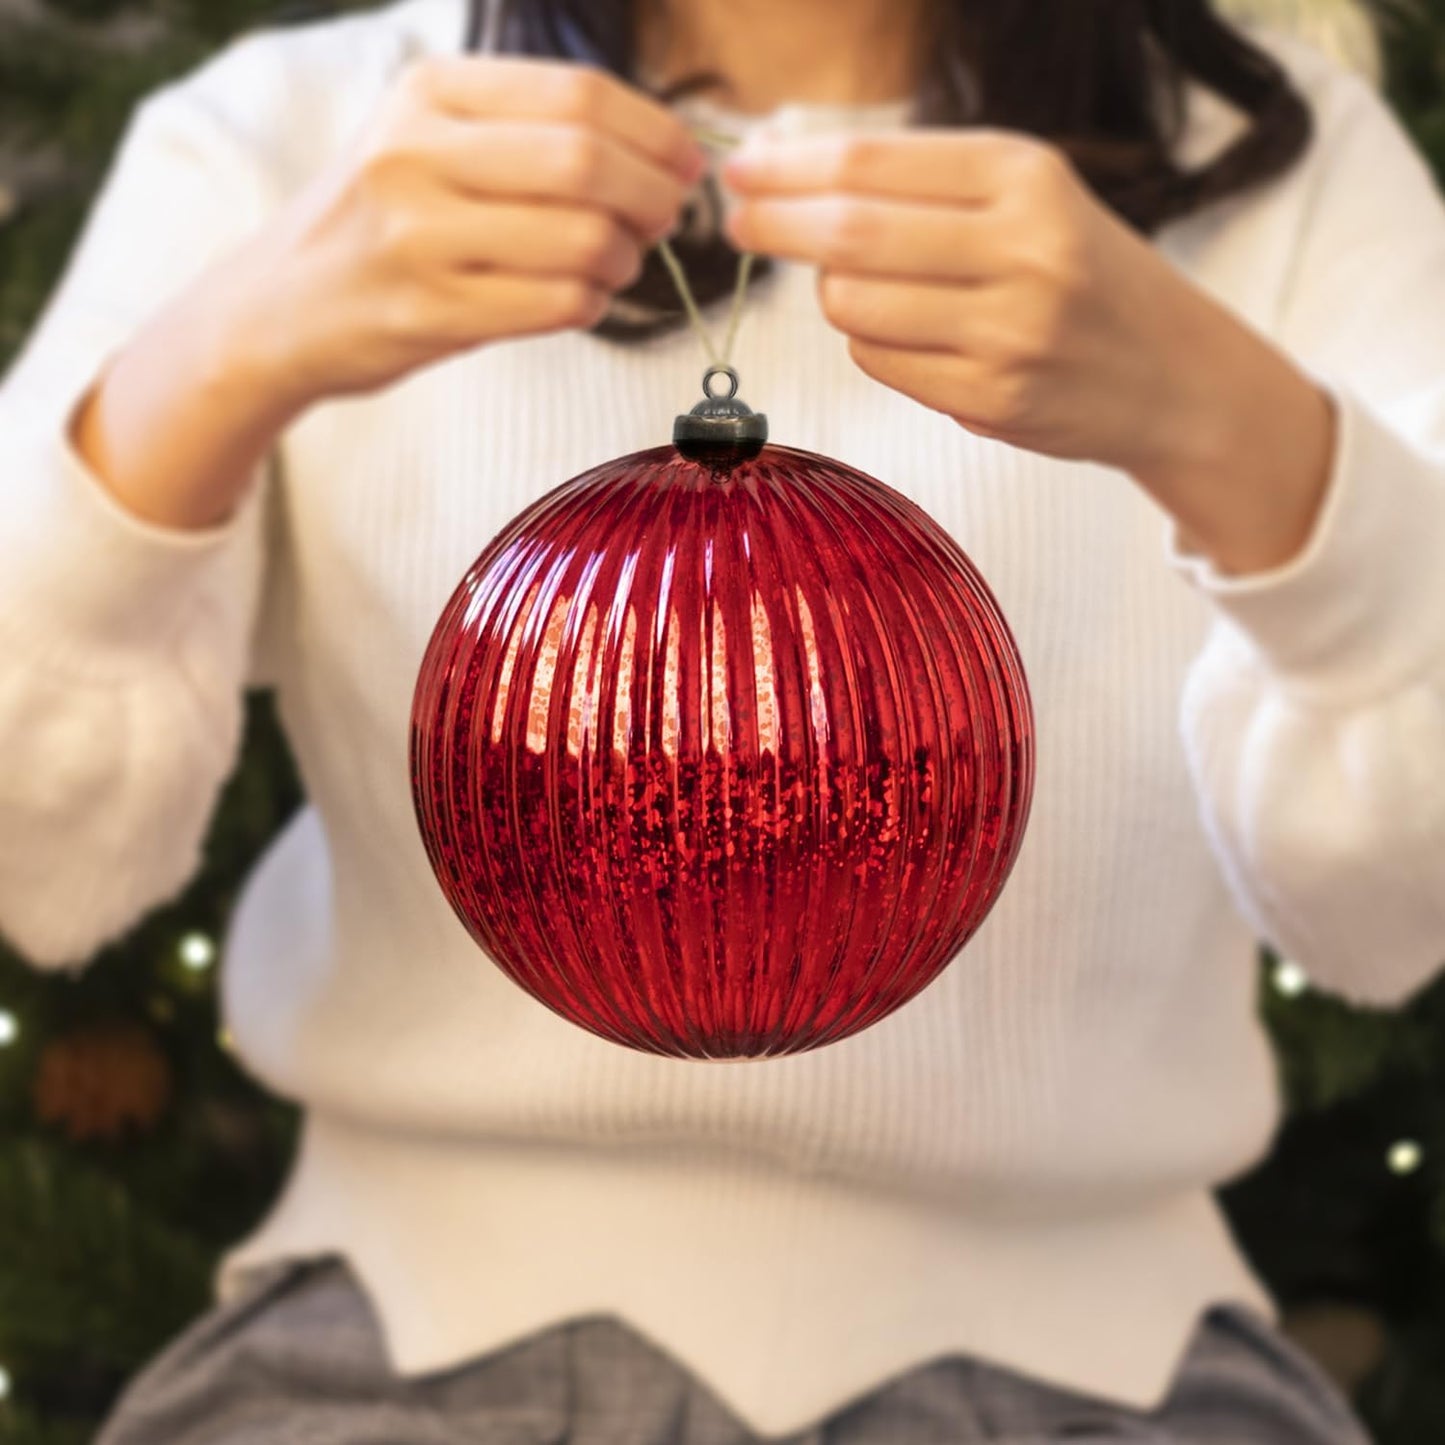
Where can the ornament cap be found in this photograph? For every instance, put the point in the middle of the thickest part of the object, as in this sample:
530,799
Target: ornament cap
720,429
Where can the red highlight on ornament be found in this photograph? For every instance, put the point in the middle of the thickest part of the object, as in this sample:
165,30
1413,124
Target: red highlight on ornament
722,761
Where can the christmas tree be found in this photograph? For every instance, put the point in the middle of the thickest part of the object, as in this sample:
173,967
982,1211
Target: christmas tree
134,1147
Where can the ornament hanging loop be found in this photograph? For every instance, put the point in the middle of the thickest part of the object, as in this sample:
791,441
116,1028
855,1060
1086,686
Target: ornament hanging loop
716,370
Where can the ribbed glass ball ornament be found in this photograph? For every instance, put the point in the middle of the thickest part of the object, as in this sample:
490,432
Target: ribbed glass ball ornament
722,750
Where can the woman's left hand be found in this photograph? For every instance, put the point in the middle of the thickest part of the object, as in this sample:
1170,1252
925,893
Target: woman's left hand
974,271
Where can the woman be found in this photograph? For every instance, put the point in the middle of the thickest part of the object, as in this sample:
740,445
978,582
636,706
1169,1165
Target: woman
350,299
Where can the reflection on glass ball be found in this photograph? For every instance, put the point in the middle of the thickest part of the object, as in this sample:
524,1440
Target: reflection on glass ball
722,761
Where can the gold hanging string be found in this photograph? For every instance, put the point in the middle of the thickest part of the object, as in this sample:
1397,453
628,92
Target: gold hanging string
720,358
722,139
694,314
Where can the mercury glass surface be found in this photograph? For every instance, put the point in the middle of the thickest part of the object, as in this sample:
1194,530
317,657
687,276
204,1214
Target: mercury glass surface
722,761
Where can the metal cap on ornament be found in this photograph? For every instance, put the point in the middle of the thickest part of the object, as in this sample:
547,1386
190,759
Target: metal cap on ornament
720,429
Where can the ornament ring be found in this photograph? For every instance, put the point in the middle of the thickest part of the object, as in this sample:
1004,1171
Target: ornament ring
707,379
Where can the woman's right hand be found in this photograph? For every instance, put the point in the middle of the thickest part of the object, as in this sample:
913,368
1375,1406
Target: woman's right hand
491,197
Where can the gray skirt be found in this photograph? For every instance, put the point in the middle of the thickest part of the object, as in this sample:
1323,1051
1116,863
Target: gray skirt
297,1359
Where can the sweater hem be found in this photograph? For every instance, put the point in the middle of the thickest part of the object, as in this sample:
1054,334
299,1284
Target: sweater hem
787,1292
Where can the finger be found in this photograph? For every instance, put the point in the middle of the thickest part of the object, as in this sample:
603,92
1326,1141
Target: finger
520,88
479,305
908,315
864,234
942,382
968,167
547,239
556,162
998,326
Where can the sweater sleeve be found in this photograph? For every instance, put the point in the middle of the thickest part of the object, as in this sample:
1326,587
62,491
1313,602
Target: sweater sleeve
1314,716
123,645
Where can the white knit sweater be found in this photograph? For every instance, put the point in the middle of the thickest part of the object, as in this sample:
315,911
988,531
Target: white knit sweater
1018,1163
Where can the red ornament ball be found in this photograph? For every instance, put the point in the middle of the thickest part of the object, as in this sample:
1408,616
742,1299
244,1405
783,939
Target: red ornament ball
722,761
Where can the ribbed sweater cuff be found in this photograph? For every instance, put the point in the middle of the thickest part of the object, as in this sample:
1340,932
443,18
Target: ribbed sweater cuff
1357,611
100,585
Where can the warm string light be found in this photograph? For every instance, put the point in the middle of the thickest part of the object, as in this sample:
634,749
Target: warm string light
9,1028
1405,1156
1289,978
197,951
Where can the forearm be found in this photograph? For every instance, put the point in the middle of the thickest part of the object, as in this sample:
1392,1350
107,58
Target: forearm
1251,445
178,419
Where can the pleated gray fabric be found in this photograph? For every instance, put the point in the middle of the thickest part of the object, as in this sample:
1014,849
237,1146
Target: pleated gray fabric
297,1359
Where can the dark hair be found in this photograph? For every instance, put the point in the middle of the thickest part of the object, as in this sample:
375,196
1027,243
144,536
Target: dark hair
1104,80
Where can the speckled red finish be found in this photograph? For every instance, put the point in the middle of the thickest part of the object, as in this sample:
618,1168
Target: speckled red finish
722,762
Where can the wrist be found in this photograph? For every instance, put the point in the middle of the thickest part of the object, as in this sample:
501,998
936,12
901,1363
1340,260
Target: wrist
1248,460
177,421
246,343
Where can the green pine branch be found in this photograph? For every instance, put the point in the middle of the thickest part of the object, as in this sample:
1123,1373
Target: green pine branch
97,1275
22,1426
